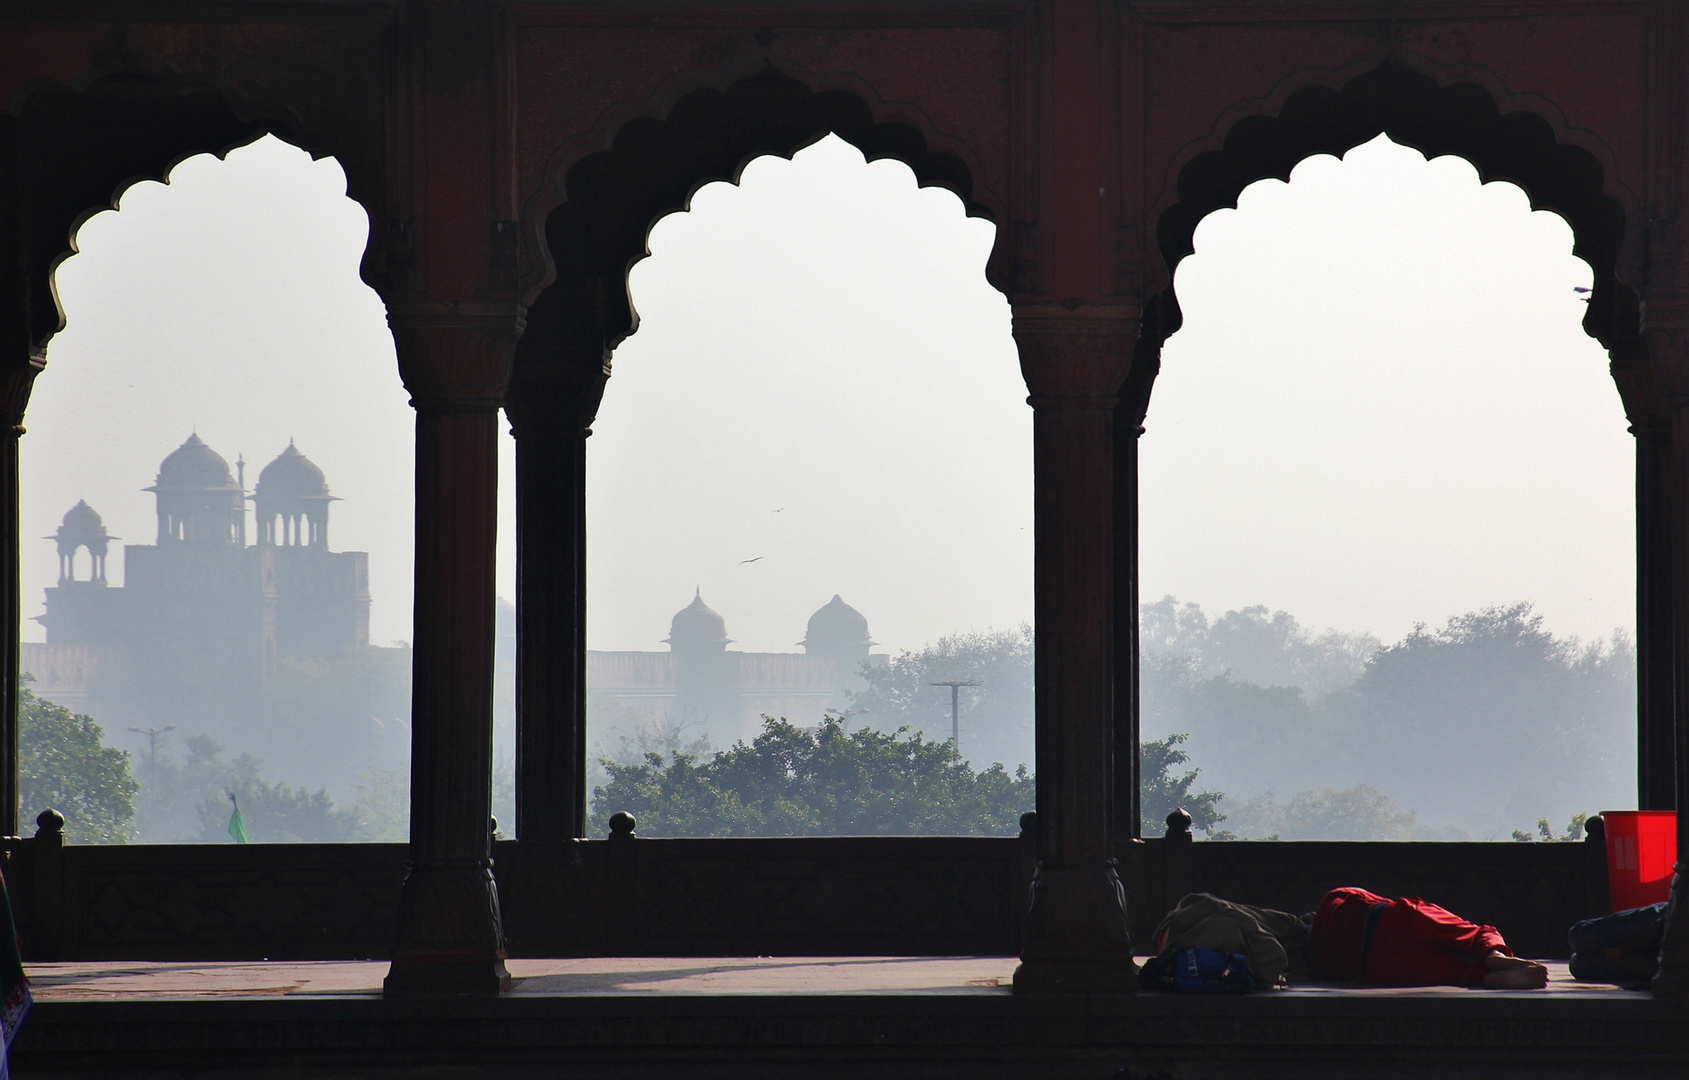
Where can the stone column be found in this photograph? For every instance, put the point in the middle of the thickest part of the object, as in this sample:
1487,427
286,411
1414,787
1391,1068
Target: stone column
21,359
1655,769
1667,334
1128,426
455,360
550,642
16,380
551,407
1075,935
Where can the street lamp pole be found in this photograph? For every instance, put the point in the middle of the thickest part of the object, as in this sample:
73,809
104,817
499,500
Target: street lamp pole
955,709
152,734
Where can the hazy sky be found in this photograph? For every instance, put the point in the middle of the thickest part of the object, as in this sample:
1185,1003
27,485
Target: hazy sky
823,381
1381,409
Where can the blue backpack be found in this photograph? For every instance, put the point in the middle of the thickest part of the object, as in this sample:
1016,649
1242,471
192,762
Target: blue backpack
1197,971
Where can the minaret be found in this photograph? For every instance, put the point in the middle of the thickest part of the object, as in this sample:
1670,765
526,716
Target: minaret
240,480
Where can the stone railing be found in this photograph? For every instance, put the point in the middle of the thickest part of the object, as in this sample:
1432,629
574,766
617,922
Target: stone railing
628,895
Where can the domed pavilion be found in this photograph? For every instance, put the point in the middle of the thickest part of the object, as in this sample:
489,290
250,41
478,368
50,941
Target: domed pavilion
291,502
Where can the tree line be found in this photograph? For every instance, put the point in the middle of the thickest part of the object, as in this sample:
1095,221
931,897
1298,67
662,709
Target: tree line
1261,729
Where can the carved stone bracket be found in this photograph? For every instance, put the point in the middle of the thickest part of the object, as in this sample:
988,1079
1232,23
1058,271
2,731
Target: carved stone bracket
456,354
1075,357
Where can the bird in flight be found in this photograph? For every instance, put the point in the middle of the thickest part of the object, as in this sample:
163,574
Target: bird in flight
742,562
782,508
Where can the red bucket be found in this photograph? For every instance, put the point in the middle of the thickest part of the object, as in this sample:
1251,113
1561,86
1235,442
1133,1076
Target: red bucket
1641,848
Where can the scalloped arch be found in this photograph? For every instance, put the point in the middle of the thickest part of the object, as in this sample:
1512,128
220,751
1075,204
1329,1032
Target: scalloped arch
89,142
607,201
1412,108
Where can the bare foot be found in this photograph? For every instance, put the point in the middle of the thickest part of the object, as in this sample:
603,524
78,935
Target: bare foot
1512,973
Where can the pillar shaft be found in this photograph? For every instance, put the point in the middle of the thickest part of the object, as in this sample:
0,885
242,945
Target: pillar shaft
20,362
15,385
1075,936
558,383
1667,334
1128,425
1672,978
550,635
455,359
1655,768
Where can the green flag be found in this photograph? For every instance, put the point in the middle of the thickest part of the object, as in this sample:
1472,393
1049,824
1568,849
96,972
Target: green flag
237,827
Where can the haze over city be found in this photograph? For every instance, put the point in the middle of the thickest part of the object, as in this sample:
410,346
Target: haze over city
824,382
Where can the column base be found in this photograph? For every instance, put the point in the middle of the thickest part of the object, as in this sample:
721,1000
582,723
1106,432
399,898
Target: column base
451,936
446,978
1076,939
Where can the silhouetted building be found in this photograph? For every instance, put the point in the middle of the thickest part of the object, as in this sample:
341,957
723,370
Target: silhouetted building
202,619
700,681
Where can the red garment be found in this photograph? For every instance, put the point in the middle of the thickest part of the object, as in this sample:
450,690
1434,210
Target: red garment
1413,942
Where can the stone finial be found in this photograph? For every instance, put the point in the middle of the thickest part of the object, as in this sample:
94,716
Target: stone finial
1595,830
621,826
1179,823
1029,822
49,824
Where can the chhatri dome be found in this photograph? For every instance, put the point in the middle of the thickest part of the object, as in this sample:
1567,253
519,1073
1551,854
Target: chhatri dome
837,629
291,502
82,528
291,476
698,625
194,466
82,523
199,503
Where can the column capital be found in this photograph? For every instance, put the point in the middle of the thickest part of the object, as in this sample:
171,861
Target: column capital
558,399
456,354
1075,357
15,387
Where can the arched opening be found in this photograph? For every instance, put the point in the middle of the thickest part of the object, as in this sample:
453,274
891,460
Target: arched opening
780,335
212,317
1381,409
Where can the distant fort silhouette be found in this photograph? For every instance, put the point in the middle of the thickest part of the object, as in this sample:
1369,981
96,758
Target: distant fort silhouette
203,618
700,682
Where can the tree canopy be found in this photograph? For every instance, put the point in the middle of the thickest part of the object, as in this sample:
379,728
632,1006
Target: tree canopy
1162,792
1461,732
827,780
830,781
62,765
